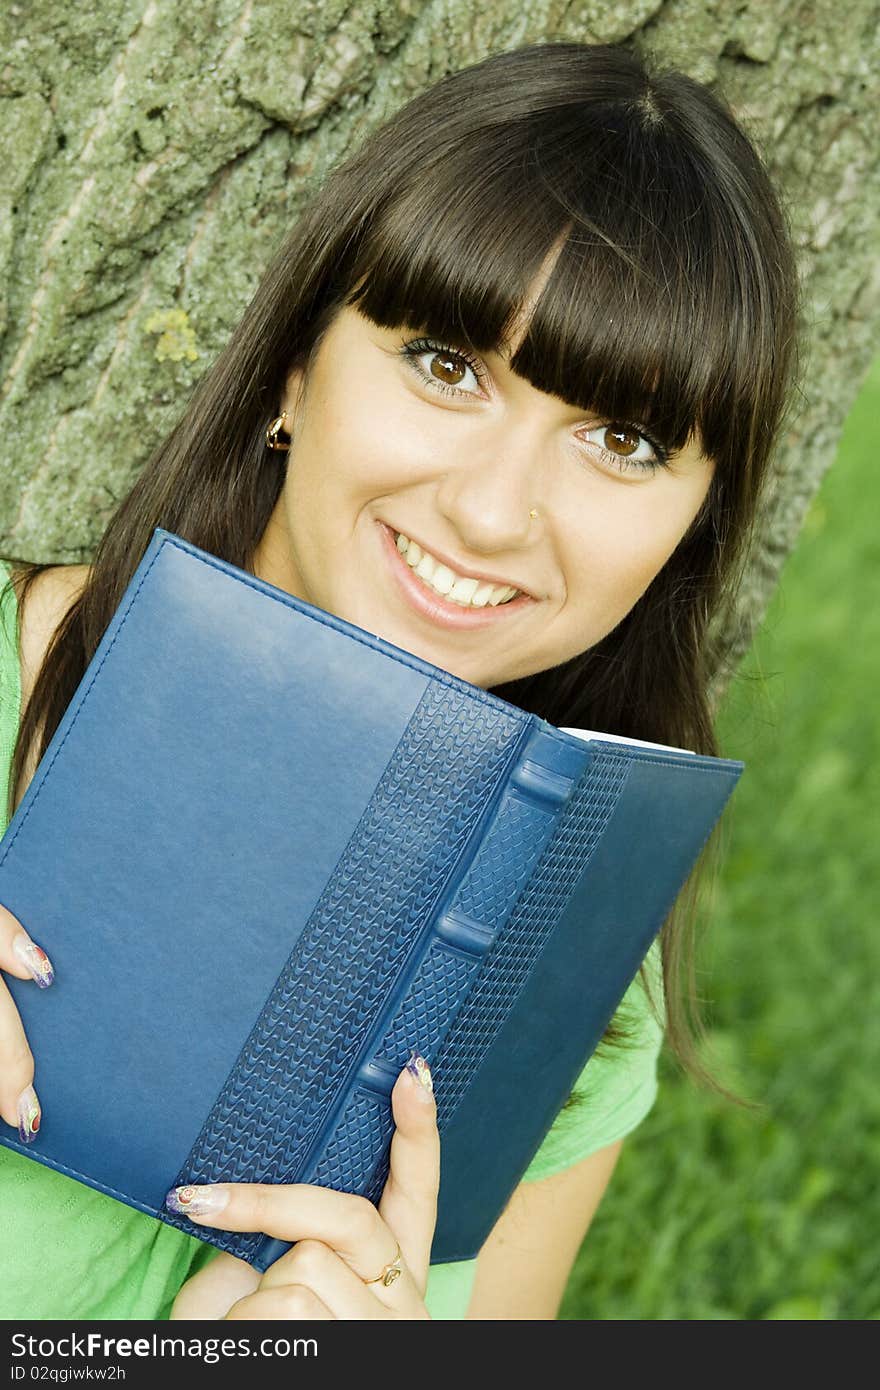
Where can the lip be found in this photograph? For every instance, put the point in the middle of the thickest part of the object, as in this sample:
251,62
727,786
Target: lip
466,574
433,606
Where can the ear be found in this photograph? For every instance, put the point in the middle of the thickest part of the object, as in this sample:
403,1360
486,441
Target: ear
292,395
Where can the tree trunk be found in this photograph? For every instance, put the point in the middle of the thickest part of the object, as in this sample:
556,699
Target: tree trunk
152,155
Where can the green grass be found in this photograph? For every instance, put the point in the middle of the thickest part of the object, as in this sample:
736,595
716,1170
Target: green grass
714,1212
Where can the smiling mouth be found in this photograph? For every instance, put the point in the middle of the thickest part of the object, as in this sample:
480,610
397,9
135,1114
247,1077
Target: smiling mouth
439,609
463,590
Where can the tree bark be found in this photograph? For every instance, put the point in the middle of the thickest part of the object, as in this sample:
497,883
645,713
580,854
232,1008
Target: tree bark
153,154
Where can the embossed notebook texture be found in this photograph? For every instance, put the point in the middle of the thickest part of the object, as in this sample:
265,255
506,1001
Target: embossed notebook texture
269,853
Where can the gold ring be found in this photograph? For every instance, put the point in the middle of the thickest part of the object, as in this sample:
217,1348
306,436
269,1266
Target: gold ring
392,1271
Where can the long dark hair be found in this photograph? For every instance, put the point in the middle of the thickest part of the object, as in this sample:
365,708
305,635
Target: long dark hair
674,301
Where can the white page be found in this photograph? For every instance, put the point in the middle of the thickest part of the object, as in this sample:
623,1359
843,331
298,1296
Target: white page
619,738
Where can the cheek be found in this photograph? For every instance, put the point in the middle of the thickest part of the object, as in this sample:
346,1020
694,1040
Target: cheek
619,558
366,440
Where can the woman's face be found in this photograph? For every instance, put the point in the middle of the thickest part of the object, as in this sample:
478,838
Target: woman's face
392,436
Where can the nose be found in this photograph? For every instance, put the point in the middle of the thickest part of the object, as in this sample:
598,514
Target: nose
488,495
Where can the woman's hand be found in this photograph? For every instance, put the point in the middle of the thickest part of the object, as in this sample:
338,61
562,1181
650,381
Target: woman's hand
345,1245
21,957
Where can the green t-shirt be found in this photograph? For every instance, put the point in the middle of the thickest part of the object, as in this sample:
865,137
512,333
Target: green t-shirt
70,1252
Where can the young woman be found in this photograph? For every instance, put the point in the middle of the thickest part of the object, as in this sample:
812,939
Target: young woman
506,397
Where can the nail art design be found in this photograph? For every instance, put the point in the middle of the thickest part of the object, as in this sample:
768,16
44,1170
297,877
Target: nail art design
418,1067
196,1201
29,1115
34,958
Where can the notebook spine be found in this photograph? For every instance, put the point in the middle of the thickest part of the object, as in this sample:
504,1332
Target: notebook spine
350,1152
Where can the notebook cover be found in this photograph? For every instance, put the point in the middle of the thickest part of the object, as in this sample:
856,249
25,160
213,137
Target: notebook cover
269,852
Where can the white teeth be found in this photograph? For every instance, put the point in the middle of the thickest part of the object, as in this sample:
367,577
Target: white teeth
443,579
469,593
425,568
484,593
463,590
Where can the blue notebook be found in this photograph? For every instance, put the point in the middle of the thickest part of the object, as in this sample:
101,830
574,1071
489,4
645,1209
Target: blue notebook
269,853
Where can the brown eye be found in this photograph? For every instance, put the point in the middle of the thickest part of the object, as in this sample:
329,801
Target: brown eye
626,448
444,369
621,439
448,368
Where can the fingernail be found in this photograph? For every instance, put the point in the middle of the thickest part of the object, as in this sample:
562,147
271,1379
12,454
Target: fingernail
34,959
29,1115
418,1068
196,1201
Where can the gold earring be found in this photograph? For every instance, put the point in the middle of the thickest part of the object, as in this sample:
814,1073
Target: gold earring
533,513
277,425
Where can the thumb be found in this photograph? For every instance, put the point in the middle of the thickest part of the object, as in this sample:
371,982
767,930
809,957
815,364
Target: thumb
409,1199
